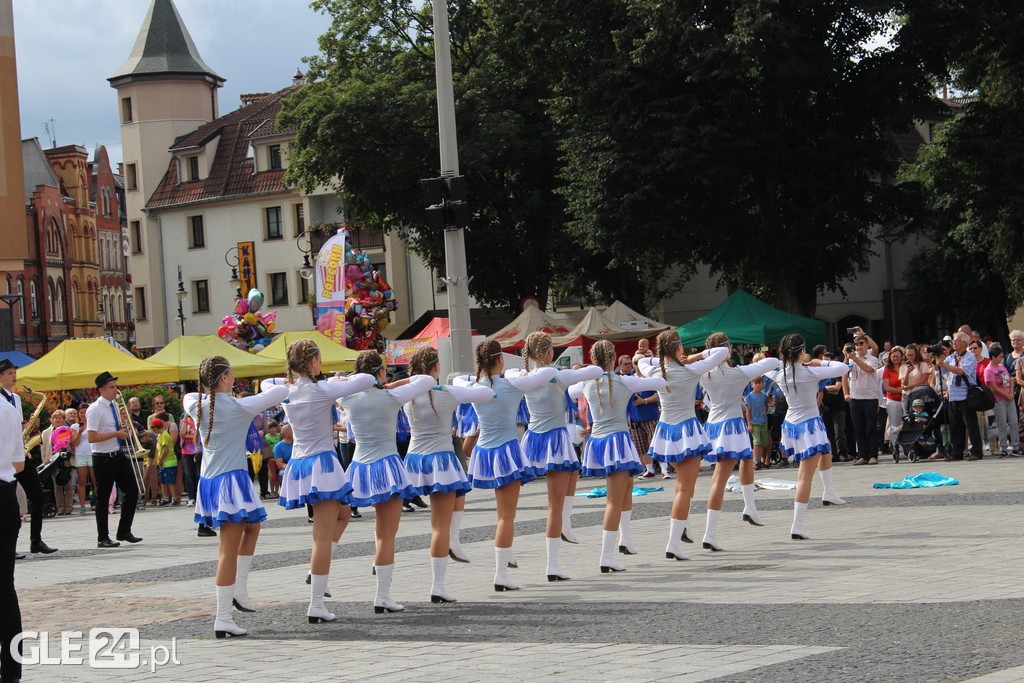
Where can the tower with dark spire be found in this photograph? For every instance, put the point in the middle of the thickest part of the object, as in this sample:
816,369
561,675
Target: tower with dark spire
164,91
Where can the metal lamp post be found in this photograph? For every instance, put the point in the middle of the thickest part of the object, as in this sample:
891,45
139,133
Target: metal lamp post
231,259
182,295
307,267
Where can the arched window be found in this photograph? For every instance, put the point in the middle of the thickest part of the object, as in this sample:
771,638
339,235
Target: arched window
21,303
74,300
33,299
60,299
51,297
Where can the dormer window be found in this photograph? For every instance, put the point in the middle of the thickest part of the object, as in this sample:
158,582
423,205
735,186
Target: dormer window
274,154
193,167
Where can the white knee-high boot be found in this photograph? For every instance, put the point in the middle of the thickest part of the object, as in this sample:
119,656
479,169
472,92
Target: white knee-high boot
502,557
241,599
383,602
224,623
317,611
829,495
455,550
554,571
710,542
568,535
750,513
438,568
626,533
797,532
673,550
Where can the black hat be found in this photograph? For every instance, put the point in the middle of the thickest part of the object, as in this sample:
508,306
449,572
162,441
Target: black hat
6,365
103,378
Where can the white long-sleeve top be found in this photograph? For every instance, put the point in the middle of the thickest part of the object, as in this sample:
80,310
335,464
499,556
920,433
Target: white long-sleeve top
12,448
373,414
309,409
610,412
231,419
547,401
430,416
682,380
497,418
724,386
799,385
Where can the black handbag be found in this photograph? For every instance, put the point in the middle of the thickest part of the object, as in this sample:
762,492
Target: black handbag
980,398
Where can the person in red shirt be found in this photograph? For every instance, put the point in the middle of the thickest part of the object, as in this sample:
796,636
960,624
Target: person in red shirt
893,387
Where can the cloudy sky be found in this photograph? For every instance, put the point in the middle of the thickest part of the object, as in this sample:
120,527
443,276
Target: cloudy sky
66,49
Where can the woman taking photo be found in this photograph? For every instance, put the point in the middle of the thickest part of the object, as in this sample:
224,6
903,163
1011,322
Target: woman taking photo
433,467
498,462
314,475
610,451
679,437
804,438
547,443
226,497
726,428
377,474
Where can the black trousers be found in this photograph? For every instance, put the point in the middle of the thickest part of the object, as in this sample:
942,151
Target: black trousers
963,422
191,465
114,469
865,423
10,611
29,480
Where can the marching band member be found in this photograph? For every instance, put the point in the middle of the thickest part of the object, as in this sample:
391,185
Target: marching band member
377,474
226,497
610,451
12,461
433,467
314,475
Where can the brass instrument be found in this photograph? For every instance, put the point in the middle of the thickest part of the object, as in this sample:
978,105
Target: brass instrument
136,451
32,422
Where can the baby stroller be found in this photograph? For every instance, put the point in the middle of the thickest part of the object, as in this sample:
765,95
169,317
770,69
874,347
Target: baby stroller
917,432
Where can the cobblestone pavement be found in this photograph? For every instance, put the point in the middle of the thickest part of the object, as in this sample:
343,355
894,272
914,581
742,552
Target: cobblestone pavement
897,585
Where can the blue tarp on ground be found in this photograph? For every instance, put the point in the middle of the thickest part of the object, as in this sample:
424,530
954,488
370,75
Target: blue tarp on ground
19,359
924,480
601,491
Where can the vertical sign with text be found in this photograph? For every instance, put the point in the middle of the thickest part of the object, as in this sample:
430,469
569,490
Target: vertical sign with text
330,288
247,266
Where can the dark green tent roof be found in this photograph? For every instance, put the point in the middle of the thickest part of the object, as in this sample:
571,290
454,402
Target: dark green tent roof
748,320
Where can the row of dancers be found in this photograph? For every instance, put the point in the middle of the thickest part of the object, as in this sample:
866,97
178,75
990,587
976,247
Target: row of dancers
500,460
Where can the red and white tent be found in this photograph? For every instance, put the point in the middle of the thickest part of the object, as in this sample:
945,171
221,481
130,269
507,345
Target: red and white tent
532,319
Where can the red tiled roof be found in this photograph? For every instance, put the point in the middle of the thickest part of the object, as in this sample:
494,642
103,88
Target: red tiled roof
231,173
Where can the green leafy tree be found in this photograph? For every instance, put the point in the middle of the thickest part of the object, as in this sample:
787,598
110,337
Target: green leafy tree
971,176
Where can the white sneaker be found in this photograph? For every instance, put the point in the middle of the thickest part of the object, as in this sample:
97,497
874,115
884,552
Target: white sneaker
191,503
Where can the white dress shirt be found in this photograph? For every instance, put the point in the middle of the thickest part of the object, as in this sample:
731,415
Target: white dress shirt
12,449
100,420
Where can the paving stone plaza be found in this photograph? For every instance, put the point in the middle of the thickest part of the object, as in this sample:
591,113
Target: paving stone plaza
920,585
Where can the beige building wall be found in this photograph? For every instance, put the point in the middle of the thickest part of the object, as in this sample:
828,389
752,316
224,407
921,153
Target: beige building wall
14,242
156,114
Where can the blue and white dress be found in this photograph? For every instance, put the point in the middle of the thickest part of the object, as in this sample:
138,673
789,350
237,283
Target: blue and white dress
314,473
679,434
726,427
548,444
377,473
803,432
465,421
610,447
497,456
431,461
225,492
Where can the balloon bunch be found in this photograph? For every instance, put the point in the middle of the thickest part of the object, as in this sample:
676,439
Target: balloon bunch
368,302
247,328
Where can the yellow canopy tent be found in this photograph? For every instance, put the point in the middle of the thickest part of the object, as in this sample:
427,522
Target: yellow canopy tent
333,356
187,353
75,363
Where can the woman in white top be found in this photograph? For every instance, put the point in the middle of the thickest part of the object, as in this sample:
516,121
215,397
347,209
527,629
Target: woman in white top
379,478
314,475
547,443
803,432
727,429
610,451
83,456
226,497
679,437
433,467
498,462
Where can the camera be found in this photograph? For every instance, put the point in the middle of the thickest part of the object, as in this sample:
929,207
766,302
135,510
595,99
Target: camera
848,349
941,348
851,330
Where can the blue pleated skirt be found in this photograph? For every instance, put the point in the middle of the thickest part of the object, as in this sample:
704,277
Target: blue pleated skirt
228,497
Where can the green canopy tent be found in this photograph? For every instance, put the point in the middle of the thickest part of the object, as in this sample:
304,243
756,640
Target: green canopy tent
748,320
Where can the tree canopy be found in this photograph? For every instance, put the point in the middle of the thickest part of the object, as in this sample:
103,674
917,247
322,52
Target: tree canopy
611,146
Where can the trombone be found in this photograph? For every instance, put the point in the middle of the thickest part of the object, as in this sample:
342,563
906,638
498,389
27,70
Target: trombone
134,446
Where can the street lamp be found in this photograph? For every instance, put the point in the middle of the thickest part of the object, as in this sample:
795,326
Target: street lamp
889,238
182,295
101,315
232,260
307,267
10,300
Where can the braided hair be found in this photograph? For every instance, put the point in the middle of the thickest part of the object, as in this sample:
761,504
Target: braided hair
791,350
422,362
536,346
602,354
300,355
210,372
370,362
669,346
488,355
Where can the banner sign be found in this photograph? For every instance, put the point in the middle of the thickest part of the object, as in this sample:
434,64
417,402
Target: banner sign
329,275
401,351
247,266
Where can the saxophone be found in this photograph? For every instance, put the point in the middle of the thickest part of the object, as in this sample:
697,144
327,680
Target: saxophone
31,424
